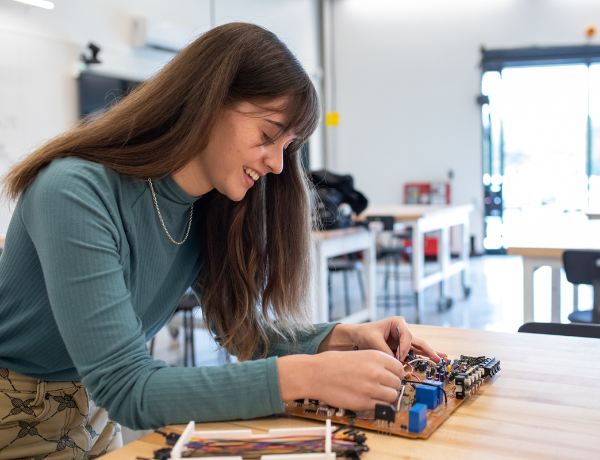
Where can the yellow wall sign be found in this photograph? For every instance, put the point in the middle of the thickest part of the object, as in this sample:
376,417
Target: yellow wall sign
332,119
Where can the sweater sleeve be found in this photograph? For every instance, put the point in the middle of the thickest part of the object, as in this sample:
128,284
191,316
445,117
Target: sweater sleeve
71,216
305,342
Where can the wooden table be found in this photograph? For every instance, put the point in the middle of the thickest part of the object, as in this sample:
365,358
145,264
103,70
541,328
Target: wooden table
543,404
547,250
592,213
333,243
425,219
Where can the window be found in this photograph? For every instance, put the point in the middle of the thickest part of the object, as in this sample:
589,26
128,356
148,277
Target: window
541,140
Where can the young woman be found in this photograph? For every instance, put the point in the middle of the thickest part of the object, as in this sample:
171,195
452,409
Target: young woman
193,179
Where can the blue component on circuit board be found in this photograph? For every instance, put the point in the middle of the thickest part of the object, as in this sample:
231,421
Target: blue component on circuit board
427,395
417,417
440,393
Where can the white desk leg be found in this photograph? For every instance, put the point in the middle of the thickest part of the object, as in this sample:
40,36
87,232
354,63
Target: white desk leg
466,250
556,294
529,267
418,257
444,256
321,302
369,266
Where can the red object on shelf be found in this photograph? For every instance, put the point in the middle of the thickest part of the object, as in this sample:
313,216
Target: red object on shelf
427,193
430,246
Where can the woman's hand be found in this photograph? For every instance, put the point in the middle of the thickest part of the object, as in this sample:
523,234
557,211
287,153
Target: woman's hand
379,335
355,380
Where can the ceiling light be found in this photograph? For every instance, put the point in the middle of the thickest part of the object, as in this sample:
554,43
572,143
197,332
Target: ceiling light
41,3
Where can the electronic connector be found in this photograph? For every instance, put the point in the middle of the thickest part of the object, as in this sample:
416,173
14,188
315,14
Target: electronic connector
385,415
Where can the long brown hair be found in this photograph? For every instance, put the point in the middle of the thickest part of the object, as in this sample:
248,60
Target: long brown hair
255,278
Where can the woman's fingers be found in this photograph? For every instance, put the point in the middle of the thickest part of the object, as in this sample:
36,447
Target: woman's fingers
394,366
385,403
391,380
408,341
351,379
393,337
424,348
399,326
386,394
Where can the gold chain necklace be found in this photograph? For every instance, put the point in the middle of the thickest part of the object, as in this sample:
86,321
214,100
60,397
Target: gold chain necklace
161,219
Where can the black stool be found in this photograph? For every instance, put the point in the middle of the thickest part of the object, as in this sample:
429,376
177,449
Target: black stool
345,265
583,267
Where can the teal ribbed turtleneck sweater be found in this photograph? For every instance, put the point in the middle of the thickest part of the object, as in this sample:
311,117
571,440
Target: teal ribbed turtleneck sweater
88,276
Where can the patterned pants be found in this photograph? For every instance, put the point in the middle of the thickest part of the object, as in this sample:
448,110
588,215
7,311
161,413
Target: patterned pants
52,420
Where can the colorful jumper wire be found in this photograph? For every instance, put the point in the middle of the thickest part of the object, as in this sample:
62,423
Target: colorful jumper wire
349,443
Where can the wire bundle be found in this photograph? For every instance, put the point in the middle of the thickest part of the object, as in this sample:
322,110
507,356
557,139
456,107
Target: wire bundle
348,444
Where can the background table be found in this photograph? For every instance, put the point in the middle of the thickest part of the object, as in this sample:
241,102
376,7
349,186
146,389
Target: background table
543,404
333,243
546,249
425,219
593,214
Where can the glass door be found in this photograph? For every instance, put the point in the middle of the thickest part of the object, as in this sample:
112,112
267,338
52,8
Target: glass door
594,139
539,153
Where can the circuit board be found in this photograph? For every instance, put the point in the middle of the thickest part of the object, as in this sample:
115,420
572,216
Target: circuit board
449,382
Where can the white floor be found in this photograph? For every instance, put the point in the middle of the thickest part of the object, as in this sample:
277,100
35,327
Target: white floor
495,303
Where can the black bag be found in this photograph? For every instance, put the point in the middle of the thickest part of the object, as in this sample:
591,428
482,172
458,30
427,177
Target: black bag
337,198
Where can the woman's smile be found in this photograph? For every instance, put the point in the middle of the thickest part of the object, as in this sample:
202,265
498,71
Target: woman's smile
250,176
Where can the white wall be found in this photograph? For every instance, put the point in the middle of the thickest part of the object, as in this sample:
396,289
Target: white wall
296,23
407,77
40,49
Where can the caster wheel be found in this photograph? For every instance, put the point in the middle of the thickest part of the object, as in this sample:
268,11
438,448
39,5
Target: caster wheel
467,291
449,302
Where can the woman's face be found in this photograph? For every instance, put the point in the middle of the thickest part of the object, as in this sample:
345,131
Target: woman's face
241,149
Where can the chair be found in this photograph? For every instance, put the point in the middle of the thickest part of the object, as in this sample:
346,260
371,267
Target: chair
345,265
583,267
186,305
571,330
392,253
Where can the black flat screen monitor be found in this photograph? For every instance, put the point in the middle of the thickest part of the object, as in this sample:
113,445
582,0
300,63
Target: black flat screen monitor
98,92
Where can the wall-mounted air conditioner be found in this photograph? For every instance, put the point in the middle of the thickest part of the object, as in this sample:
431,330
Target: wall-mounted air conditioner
162,35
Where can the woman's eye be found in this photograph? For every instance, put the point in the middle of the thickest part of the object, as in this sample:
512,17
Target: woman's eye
267,139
